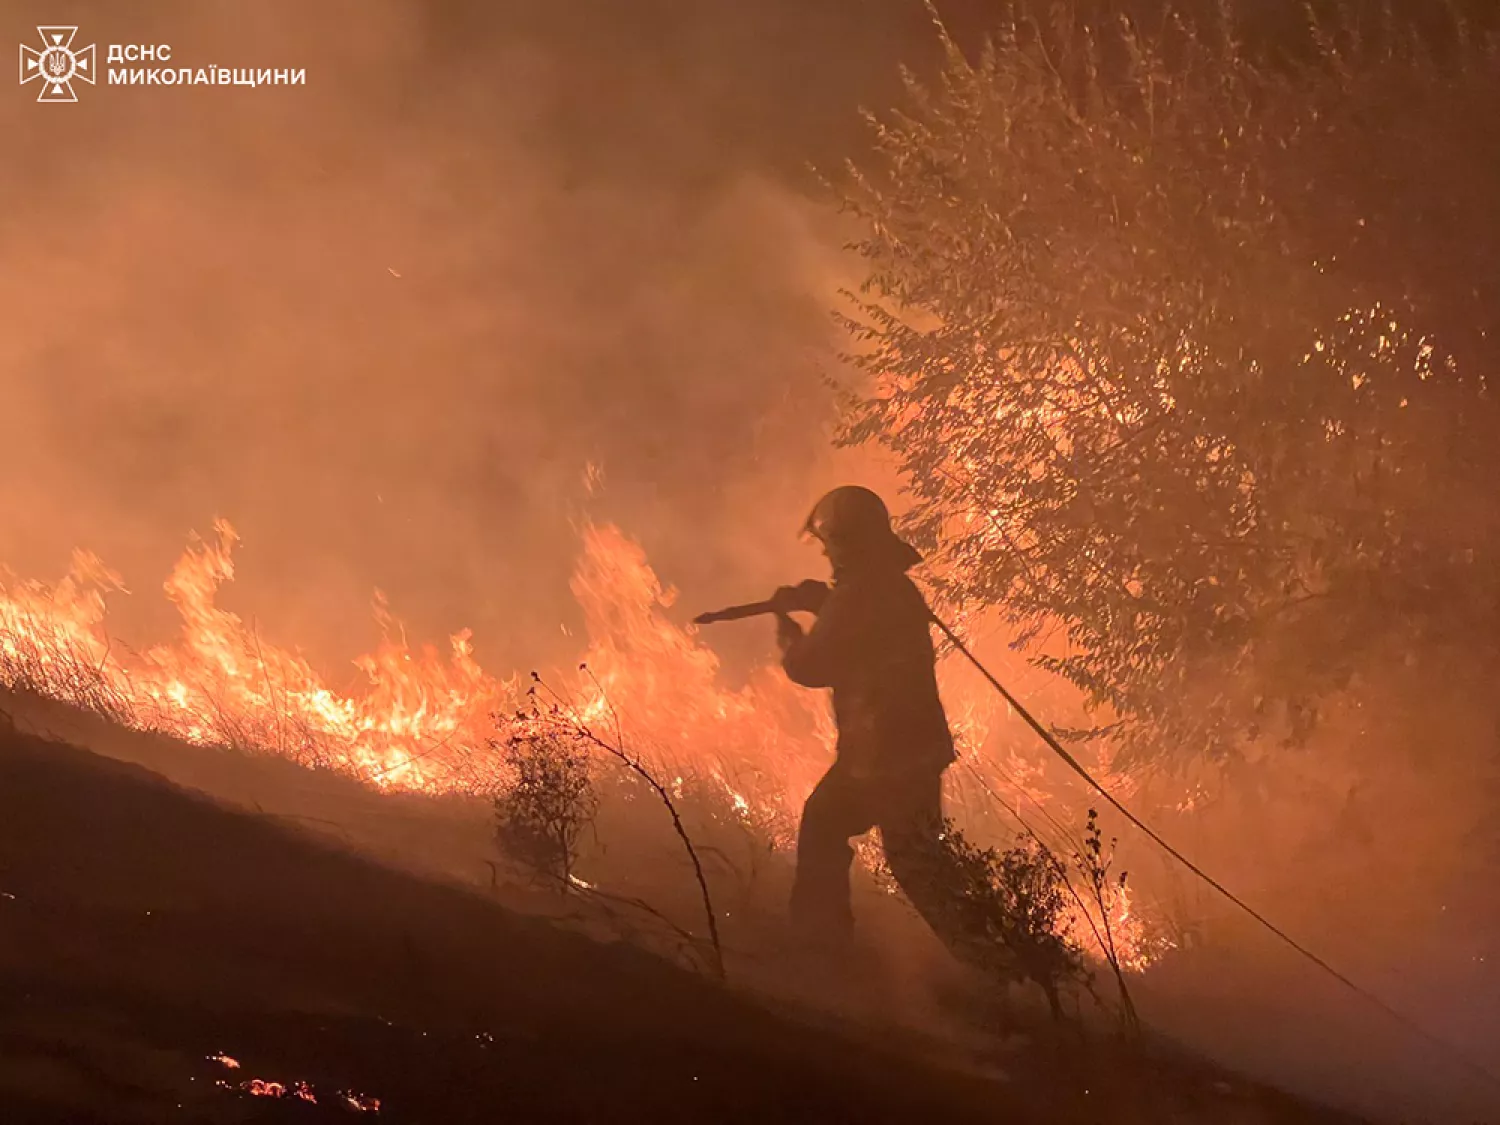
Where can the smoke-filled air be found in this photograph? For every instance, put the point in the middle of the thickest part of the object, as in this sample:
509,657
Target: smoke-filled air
373,446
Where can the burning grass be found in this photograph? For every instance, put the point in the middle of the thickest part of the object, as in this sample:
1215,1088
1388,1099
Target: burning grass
738,762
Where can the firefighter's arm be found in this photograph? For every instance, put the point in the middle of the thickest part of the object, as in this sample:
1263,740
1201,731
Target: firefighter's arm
812,658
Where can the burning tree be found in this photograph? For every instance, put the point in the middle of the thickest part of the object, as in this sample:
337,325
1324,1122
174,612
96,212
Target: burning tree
1184,345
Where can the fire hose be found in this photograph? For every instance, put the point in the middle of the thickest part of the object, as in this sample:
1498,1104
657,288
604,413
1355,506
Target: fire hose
805,597
794,598
739,612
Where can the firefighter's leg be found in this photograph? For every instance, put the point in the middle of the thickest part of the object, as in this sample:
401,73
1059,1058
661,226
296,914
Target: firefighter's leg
836,811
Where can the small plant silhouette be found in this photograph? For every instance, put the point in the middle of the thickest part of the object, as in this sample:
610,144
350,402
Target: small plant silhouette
541,818
1093,863
1007,915
552,744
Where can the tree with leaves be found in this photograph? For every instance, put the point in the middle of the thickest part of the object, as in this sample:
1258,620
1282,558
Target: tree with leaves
1186,349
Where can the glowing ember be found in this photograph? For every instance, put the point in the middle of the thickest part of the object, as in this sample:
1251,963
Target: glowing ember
301,1091
426,720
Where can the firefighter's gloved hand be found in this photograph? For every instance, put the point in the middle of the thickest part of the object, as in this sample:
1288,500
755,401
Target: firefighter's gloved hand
788,632
805,597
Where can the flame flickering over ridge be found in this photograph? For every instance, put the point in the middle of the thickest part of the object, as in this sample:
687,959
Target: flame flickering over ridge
427,721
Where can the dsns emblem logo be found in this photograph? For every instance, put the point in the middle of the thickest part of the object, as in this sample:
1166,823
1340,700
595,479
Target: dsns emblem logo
56,65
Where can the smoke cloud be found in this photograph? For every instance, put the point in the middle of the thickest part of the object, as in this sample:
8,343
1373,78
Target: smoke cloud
490,272
495,270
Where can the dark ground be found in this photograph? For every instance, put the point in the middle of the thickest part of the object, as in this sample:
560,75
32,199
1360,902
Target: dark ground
144,929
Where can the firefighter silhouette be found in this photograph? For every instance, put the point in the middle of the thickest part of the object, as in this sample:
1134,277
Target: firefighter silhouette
871,644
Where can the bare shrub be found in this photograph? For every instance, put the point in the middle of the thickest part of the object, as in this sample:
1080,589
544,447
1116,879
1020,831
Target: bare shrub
562,720
1093,863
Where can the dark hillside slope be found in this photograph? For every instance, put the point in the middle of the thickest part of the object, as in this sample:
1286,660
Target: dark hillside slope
164,922
144,929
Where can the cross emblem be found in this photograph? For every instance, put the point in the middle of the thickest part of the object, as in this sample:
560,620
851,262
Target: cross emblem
57,64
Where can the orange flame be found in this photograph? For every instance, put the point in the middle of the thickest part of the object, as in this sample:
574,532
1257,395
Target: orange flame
426,720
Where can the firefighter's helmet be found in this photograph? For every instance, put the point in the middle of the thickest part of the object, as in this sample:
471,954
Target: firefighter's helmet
854,527
849,516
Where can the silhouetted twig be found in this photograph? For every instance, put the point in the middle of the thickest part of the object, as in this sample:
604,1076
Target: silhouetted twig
564,710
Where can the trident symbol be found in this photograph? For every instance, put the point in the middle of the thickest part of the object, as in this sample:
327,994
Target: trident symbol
57,64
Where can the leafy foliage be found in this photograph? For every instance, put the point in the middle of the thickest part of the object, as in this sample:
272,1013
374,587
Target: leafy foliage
1010,915
1186,351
